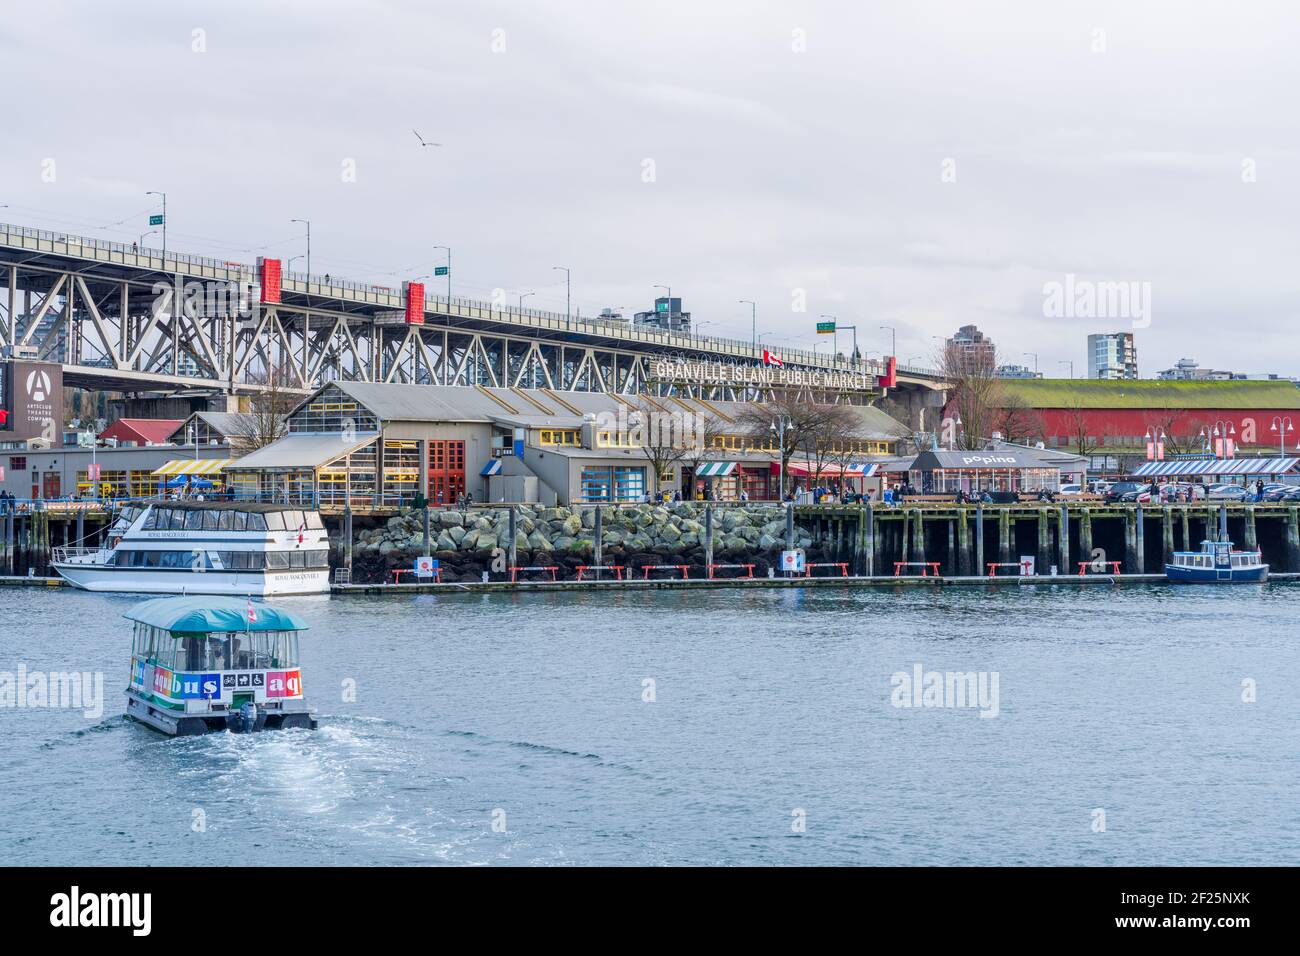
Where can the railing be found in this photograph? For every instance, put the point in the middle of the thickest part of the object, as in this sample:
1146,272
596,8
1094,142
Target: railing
64,555
316,284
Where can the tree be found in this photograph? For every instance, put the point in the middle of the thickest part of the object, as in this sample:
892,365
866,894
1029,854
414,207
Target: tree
266,420
701,446
975,391
663,438
815,429
1016,420
1077,415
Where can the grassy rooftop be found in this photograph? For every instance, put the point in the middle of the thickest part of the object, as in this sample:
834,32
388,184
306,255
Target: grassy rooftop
1152,393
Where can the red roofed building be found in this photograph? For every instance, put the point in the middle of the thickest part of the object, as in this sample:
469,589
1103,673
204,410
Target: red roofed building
142,431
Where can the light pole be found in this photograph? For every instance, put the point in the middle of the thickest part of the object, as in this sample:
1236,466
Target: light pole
1223,429
308,225
524,295
153,192
669,290
952,432
1157,451
1069,362
753,319
145,235
1035,355
568,287
893,347
447,249
778,429
1281,425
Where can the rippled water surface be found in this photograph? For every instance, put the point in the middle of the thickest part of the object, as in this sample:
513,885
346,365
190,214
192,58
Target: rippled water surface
770,707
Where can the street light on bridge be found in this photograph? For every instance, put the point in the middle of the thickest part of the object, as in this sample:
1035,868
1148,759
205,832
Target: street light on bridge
568,287
753,319
307,223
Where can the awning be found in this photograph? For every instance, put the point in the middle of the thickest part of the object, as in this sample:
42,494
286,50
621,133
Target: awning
715,469
828,470
301,450
187,615
491,468
1215,466
191,466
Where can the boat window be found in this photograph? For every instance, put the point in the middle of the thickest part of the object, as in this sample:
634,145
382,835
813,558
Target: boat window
257,522
293,520
193,520
225,520
211,520
277,560
150,520
297,559
274,520
177,522
314,522
240,521
318,559
152,559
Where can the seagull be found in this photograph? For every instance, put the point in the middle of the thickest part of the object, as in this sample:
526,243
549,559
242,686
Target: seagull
421,139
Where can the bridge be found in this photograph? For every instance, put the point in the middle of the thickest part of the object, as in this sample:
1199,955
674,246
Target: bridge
118,317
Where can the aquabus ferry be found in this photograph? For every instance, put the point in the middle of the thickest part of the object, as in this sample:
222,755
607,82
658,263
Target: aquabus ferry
205,547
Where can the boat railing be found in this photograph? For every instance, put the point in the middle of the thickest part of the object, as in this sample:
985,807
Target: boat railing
70,554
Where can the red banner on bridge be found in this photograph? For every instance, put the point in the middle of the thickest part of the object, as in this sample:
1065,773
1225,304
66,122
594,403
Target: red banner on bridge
413,292
268,277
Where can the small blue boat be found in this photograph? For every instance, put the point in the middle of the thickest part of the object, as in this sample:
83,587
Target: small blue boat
1216,562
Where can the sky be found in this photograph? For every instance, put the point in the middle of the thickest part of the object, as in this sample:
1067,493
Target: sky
919,165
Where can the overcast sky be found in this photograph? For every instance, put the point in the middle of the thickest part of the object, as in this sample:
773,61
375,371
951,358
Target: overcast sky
795,146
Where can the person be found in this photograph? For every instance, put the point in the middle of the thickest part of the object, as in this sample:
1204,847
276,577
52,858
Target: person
744,495
469,500
1259,489
677,495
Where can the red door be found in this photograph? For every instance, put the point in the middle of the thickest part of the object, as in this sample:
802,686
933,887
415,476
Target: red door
446,471
51,484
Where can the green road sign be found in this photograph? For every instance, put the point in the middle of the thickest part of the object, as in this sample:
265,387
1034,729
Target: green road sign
155,220
442,270
824,328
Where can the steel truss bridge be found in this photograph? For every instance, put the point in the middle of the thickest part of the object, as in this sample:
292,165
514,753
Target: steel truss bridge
126,319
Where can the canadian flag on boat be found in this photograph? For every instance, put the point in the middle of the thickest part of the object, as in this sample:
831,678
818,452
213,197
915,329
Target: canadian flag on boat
252,612
770,359
301,528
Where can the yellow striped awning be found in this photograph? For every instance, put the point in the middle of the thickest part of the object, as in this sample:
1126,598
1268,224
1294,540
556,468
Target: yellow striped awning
191,466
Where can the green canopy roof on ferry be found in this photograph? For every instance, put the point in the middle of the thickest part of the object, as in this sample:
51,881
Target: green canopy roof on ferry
192,615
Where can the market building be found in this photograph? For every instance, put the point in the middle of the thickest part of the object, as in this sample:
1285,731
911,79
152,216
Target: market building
386,445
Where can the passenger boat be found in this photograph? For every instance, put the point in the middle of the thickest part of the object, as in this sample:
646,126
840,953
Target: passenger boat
1216,562
197,547
208,664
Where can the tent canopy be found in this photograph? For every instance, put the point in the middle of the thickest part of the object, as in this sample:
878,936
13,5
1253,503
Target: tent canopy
1215,466
192,615
193,466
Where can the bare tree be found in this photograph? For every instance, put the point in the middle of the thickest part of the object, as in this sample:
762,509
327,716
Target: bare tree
266,419
811,428
701,447
1016,419
663,437
975,391
1080,432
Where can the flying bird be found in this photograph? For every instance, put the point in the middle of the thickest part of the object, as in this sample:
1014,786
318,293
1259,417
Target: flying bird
421,139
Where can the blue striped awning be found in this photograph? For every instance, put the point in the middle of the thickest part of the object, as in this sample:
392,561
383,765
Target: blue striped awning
1215,466
715,469
491,468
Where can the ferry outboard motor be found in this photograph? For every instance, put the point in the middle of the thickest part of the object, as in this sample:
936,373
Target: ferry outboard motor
244,719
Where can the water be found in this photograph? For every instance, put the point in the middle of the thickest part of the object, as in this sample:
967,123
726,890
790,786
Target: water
767,702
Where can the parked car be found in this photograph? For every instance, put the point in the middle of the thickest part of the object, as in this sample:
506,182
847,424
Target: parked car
1292,493
1100,486
1274,492
1070,490
1227,493
1129,491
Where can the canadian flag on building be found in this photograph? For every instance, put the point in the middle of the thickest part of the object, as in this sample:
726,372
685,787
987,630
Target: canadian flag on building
770,359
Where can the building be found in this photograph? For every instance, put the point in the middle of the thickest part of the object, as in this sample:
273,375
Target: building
386,445
1113,417
667,316
128,471
970,348
1189,370
140,431
1017,371
1112,355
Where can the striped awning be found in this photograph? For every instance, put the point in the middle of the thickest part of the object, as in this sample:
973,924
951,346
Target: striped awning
855,470
191,466
715,469
1215,466
491,468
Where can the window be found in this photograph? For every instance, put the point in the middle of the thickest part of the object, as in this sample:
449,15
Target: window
277,560
292,520
297,560
560,436
17,462
225,520
239,521
314,522
211,520
612,483
257,522
274,520
193,520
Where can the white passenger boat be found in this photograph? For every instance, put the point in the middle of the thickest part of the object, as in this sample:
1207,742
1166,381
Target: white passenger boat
177,547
